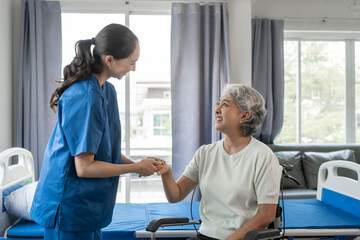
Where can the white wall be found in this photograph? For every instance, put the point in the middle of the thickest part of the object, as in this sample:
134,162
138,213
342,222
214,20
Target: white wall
240,40
6,74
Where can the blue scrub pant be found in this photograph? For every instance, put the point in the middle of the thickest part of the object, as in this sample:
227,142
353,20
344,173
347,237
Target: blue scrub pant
56,234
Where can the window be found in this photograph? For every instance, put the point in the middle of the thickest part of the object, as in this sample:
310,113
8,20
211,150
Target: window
147,86
319,104
161,124
143,95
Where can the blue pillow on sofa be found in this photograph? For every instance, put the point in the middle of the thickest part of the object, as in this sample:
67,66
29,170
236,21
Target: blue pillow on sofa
292,158
312,161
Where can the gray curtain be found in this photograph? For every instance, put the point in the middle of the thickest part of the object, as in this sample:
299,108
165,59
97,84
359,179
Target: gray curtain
268,73
199,70
40,58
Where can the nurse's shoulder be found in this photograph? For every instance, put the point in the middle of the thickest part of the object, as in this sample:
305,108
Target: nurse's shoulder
82,89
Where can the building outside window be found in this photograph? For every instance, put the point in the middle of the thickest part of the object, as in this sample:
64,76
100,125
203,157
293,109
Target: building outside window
162,124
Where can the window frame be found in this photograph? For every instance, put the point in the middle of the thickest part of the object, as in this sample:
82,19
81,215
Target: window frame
349,38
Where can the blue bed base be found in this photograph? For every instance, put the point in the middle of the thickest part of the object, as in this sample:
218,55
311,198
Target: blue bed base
130,220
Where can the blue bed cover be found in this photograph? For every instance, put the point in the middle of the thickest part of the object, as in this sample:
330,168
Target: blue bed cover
131,217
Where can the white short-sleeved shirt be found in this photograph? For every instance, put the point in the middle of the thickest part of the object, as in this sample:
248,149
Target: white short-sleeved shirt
232,186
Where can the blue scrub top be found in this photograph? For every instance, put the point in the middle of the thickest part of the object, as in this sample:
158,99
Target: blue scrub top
88,121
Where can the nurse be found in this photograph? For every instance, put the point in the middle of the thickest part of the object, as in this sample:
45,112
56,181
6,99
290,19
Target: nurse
78,182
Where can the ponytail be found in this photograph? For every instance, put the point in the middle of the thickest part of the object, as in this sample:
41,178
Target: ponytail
81,66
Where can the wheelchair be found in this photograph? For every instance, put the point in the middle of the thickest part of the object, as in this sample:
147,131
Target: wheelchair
272,232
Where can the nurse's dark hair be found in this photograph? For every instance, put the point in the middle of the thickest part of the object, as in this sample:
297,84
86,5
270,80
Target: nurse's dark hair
247,99
114,39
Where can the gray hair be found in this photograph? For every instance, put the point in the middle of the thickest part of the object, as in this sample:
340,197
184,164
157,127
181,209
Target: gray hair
247,99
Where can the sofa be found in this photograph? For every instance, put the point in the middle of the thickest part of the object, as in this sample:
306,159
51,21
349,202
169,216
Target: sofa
306,160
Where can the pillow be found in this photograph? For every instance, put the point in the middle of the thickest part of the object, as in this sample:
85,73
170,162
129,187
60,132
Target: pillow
7,191
19,202
313,160
292,158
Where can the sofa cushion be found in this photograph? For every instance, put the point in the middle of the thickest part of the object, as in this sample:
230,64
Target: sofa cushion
292,158
312,160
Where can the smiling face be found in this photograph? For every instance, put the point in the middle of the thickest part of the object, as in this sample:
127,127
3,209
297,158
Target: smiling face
228,117
119,68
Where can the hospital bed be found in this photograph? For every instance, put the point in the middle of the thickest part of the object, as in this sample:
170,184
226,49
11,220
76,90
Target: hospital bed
335,212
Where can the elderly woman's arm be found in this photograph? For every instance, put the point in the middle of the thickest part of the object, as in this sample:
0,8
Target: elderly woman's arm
265,215
175,191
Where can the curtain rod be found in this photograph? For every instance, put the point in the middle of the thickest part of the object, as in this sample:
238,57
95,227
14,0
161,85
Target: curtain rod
112,6
145,1
313,19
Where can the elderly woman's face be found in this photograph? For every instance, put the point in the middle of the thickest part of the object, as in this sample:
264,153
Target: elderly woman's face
227,115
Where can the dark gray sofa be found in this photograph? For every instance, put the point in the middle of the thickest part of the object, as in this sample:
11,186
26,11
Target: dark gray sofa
306,159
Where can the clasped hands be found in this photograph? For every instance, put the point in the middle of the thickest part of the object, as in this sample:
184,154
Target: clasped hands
150,165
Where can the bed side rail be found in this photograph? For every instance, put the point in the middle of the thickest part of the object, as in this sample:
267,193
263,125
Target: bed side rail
339,191
21,172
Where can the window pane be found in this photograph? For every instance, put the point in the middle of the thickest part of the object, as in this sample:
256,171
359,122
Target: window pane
150,102
357,90
288,131
322,92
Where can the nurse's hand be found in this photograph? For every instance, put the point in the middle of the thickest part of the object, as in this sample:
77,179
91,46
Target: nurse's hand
146,167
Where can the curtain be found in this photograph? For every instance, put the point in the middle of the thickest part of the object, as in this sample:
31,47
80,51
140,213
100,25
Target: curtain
39,66
200,65
268,73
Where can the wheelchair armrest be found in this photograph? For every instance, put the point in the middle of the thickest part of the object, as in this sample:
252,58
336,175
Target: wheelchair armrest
262,234
154,225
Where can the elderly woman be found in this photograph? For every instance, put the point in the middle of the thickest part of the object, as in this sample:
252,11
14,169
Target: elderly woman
239,177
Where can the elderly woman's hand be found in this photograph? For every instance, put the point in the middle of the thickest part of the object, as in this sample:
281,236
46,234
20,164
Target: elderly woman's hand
162,166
